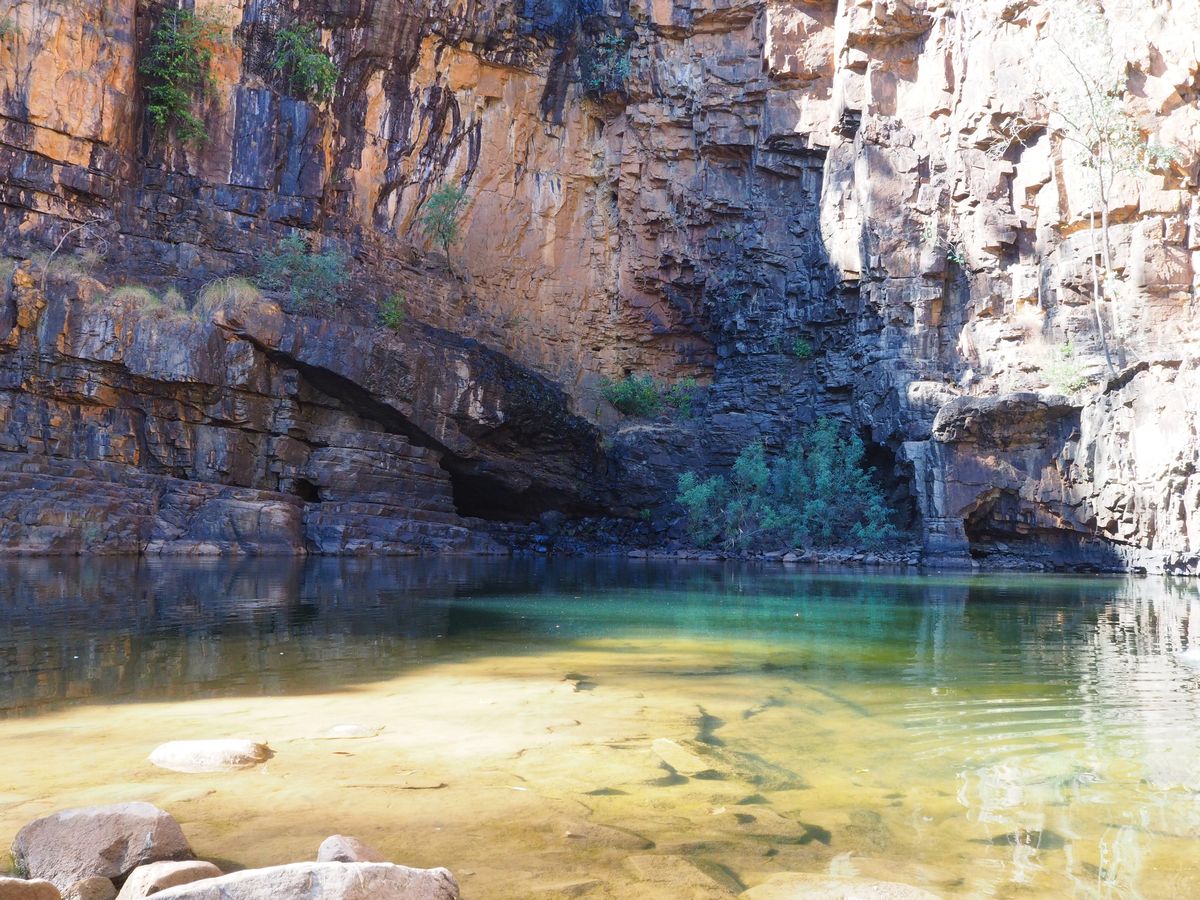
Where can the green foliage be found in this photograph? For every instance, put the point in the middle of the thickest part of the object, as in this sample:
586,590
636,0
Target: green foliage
802,349
305,67
443,212
681,397
8,28
393,312
178,72
634,395
308,277
1063,372
818,494
605,66
642,395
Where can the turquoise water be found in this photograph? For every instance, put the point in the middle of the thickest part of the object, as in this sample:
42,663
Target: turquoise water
971,735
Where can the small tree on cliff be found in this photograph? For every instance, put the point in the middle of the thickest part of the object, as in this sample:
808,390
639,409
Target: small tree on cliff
1085,82
442,220
178,72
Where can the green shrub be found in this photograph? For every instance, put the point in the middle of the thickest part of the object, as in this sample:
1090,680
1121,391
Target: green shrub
642,395
307,277
817,494
633,395
1062,370
304,66
8,28
605,66
802,349
393,312
178,72
443,212
681,397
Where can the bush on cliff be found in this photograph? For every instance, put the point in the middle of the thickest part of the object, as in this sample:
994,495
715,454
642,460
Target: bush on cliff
441,220
178,72
304,66
818,494
642,395
308,277
604,65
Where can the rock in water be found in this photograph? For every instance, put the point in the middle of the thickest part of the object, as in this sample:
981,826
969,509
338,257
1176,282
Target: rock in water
350,731
159,876
109,841
20,889
327,881
790,885
345,849
679,758
209,756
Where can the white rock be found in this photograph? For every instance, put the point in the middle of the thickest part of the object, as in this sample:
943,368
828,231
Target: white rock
156,877
110,841
327,881
345,849
220,755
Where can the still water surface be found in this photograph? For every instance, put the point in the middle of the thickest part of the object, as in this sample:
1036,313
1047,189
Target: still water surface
997,736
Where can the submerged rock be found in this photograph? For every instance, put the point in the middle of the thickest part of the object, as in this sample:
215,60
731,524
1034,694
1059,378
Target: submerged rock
210,756
20,889
790,885
327,881
350,731
697,759
345,849
109,841
156,877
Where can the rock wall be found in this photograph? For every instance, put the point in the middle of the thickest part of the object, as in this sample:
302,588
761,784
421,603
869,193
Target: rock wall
127,429
872,180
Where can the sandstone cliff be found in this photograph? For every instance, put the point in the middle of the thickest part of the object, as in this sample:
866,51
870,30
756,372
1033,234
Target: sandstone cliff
873,178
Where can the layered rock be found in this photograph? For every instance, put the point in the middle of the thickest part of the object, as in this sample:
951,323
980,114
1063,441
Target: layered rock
125,428
851,208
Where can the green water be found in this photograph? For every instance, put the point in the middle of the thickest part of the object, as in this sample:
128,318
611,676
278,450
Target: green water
974,736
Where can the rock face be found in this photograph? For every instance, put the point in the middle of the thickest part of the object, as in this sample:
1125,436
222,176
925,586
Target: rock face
109,841
124,430
329,881
850,208
219,755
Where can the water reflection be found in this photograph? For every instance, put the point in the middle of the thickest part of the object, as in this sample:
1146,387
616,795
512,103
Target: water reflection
1026,734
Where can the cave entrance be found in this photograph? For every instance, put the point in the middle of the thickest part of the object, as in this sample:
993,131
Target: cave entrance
896,480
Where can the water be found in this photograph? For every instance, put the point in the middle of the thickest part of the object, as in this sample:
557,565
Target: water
976,736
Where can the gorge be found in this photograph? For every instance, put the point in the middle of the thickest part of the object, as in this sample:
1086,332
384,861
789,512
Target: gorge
851,209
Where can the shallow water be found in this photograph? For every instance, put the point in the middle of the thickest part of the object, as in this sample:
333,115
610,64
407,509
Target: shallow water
976,736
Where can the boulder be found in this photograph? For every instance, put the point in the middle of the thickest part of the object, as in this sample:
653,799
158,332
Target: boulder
20,889
159,876
95,887
109,841
789,885
345,849
328,881
210,756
